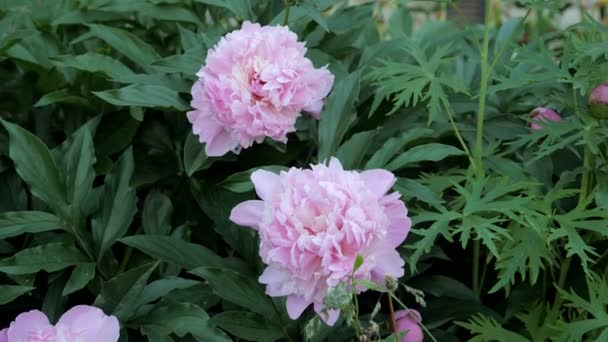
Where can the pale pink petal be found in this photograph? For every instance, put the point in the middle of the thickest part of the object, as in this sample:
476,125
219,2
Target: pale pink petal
296,305
248,213
90,323
399,223
4,335
330,317
31,323
265,183
335,165
378,181
220,144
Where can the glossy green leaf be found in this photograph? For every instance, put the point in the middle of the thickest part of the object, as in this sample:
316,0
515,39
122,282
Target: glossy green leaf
61,96
353,151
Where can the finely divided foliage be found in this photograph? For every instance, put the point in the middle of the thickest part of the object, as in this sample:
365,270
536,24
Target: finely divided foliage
120,214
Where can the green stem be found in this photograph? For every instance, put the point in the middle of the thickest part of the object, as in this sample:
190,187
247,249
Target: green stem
286,19
476,255
357,326
459,136
588,161
483,92
393,323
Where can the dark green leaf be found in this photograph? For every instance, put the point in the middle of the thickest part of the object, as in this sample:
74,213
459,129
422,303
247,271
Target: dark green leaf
429,152
248,325
8,293
121,294
126,43
174,250
119,205
154,96
157,214
337,115
352,152
50,258
194,154
182,319
81,276
238,289
241,181
241,8
61,96
15,223
36,166
93,62
394,145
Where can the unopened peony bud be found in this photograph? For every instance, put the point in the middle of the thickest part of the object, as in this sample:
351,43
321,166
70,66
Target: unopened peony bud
598,101
408,322
543,114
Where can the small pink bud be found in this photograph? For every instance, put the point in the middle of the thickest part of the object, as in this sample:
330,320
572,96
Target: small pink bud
598,101
543,114
409,321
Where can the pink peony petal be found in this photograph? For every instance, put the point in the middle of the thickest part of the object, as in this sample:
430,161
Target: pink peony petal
264,182
31,324
248,214
330,317
296,305
88,323
4,335
220,144
378,181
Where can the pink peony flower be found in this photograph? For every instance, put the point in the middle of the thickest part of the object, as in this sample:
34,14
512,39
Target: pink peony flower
543,114
408,321
255,83
81,323
314,223
598,101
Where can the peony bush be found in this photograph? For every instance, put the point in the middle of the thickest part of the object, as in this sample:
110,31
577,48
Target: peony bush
304,170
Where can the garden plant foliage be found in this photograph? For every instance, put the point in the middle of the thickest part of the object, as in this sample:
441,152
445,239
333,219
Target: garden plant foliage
108,199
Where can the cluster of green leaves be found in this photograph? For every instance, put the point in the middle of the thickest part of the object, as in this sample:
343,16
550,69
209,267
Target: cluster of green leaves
107,198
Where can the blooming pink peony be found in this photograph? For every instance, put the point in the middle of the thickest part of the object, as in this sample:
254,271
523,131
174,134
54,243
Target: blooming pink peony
255,83
314,223
408,321
81,323
543,114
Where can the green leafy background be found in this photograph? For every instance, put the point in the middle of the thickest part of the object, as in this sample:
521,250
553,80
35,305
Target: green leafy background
107,198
